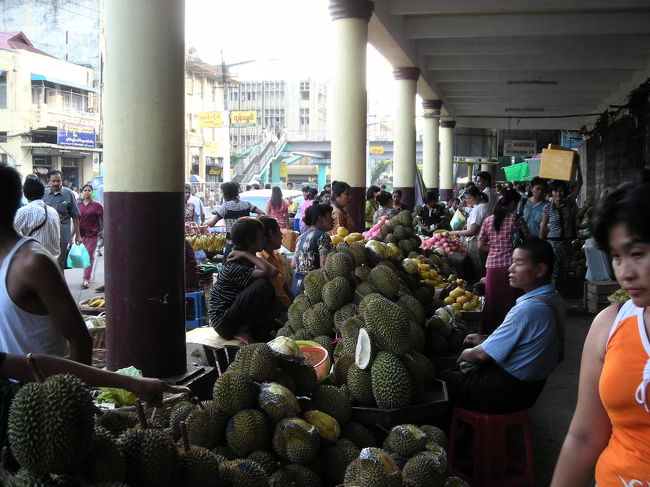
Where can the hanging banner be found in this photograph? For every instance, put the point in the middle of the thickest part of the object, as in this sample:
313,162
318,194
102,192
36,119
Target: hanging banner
376,150
75,133
211,148
247,118
284,170
519,147
210,120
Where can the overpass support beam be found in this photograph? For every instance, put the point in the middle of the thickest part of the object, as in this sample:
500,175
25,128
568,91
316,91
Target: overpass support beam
431,145
349,99
447,159
404,149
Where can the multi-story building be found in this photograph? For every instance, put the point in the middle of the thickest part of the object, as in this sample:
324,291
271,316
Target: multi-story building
295,107
48,112
206,123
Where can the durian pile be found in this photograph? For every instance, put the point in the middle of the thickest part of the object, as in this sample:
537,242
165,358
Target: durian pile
269,424
394,236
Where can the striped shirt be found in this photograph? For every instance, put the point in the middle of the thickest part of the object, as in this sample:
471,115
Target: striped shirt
232,210
30,216
561,221
231,280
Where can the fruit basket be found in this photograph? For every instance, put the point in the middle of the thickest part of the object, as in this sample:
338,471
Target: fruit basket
93,305
435,404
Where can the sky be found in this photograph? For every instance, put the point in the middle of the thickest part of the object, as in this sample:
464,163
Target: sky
294,34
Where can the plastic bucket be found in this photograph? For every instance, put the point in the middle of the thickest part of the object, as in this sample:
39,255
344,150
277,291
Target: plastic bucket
516,172
319,359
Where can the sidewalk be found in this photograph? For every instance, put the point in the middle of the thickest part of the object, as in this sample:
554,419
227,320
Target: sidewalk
74,278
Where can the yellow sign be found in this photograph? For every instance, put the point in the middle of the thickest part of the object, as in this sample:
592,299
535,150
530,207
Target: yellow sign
210,120
376,150
211,148
284,170
247,118
215,171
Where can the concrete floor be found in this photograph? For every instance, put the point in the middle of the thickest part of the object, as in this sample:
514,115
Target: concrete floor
550,417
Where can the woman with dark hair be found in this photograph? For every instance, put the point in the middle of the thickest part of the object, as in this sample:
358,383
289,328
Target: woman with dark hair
496,238
371,204
91,219
310,199
559,227
340,201
610,431
477,214
313,245
397,201
278,208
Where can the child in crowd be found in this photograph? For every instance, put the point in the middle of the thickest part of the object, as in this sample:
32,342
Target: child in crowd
272,242
242,301
385,201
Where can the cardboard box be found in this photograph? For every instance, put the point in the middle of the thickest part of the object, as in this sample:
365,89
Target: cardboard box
596,294
557,164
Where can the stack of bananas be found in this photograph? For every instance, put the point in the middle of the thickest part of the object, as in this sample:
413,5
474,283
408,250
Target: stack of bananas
96,302
212,241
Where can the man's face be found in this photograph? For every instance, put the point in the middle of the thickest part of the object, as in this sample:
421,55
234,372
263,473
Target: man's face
55,182
289,185
524,273
480,183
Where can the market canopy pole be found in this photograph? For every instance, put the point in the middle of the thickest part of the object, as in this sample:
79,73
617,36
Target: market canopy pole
431,145
143,146
447,159
349,99
404,150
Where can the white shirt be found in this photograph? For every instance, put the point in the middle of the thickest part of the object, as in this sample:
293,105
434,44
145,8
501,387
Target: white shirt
477,215
492,200
30,216
198,206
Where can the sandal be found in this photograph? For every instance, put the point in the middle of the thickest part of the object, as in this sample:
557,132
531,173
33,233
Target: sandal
85,285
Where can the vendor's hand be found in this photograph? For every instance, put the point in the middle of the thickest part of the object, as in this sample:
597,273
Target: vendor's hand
463,357
151,390
77,240
474,339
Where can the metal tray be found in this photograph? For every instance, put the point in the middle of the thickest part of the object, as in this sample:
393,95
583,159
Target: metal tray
436,404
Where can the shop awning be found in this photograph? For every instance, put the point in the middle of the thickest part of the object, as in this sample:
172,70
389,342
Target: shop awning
40,77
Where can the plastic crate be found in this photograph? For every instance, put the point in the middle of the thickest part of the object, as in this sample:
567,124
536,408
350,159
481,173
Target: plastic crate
516,172
533,168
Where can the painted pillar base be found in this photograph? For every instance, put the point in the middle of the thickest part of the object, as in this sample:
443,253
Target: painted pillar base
446,194
322,176
408,195
434,190
145,254
357,208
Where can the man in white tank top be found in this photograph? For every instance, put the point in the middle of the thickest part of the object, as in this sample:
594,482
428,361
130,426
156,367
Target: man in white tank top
37,311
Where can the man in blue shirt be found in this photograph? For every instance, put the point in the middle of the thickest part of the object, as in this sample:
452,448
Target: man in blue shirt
506,371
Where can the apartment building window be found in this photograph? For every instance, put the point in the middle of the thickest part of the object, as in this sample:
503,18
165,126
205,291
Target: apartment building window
304,118
3,137
198,79
38,95
274,117
213,91
304,90
3,91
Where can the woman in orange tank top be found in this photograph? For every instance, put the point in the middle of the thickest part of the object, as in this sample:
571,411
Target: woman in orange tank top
609,436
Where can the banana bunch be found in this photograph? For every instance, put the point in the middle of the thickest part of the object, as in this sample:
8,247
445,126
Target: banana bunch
97,302
211,241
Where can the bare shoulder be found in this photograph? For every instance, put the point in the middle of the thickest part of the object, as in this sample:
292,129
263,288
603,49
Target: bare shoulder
34,258
600,328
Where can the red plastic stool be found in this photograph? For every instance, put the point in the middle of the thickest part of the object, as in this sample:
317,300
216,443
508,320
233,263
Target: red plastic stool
490,464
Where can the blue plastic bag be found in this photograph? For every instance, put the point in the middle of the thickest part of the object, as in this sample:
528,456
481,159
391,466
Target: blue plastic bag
78,257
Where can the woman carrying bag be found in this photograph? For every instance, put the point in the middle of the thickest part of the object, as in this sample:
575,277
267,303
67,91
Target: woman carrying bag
498,236
90,226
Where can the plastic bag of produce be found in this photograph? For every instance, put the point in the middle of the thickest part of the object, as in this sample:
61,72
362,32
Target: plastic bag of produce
78,257
458,221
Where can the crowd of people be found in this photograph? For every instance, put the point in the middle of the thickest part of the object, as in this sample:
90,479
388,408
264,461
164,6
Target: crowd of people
517,242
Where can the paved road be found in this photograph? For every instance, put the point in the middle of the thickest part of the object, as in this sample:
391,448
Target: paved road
74,278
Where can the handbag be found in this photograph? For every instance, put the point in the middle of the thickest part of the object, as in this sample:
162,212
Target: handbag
517,233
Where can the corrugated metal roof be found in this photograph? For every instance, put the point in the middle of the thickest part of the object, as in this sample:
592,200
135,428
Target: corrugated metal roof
13,41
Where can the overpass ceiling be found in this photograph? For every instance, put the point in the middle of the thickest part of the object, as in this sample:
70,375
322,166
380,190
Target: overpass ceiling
495,62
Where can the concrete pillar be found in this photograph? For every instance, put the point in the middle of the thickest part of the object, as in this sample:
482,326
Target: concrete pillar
275,171
431,145
447,159
349,99
202,163
144,86
404,141
322,176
